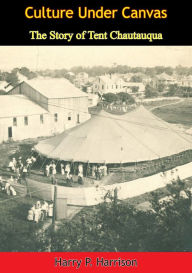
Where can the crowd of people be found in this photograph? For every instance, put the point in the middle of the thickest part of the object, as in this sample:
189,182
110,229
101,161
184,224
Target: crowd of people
40,211
21,168
68,170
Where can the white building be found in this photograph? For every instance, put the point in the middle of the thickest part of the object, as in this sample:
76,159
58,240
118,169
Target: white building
108,84
186,81
20,118
41,108
93,99
165,79
139,86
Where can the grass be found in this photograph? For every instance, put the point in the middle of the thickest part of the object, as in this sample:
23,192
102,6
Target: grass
152,104
16,233
180,113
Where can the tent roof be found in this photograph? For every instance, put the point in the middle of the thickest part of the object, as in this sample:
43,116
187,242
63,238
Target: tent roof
136,136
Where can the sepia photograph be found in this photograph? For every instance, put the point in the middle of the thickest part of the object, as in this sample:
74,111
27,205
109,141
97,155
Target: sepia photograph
96,149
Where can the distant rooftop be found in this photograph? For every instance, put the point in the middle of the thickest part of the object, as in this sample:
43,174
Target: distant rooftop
110,78
56,88
18,105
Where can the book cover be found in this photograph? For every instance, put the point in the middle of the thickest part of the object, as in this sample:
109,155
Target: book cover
95,136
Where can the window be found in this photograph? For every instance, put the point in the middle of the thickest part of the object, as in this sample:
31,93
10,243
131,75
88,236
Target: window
14,121
41,119
55,117
69,116
25,121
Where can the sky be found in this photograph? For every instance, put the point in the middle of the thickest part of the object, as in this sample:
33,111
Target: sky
57,57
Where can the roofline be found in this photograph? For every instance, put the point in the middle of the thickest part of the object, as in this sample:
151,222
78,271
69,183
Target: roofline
43,94
68,97
15,86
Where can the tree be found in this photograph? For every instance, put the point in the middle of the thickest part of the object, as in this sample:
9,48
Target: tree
161,87
11,78
136,78
125,97
135,89
27,73
150,92
110,97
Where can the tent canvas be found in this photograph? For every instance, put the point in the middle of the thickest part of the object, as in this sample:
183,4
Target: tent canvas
106,138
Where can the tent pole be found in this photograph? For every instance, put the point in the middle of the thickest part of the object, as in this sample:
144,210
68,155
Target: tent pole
87,168
43,163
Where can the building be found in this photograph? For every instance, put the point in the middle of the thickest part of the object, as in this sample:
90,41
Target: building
93,99
108,84
186,81
20,118
42,107
165,79
134,88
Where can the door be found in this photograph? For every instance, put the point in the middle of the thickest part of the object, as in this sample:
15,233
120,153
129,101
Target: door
78,118
10,133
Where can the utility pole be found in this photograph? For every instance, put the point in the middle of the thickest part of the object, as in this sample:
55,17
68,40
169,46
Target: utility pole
53,218
54,208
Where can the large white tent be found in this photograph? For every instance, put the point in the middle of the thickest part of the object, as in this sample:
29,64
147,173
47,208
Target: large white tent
106,138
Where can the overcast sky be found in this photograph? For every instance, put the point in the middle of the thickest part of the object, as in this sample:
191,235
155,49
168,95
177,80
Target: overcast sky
56,57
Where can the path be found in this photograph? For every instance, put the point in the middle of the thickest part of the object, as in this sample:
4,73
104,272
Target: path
167,104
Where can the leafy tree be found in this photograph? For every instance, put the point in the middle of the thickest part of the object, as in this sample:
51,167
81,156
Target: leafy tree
173,90
11,78
27,73
136,78
125,97
161,87
150,92
135,89
110,97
